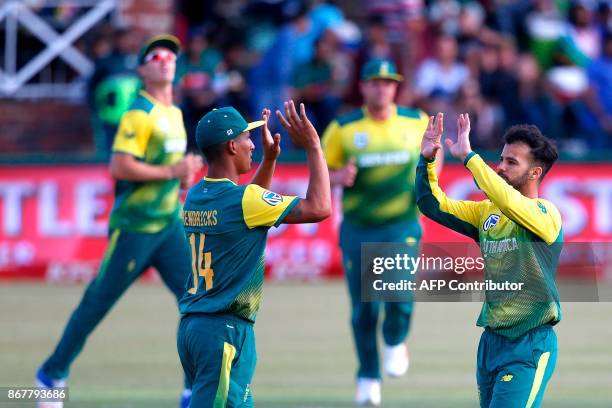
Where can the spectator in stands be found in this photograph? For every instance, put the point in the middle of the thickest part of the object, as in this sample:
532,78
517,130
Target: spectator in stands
603,17
444,15
236,59
470,32
598,98
102,46
396,14
497,79
313,83
582,40
442,74
198,74
271,77
536,105
485,115
545,25
114,85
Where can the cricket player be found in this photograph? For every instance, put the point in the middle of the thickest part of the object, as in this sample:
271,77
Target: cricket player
149,165
372,154
520,238
226,226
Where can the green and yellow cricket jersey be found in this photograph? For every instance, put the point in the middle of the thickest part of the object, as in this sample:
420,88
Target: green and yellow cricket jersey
226,226
520,240
386,154
155,134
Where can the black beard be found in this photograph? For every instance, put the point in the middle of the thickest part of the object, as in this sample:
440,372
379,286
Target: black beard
519,182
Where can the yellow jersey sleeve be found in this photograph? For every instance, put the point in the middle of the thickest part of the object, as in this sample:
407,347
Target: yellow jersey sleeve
264,208
459,215
537,215
133,134
468,211
332,146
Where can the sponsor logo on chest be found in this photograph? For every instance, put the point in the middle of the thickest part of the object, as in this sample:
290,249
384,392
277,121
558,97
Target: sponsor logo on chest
360,140
384,159
490,222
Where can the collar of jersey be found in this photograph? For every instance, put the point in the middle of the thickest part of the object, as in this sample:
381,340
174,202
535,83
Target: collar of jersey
367,114
216,180
151,98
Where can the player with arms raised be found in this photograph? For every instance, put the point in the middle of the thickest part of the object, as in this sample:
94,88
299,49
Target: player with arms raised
520,237
227,225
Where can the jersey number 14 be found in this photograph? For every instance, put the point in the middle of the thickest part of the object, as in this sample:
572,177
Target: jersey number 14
200,268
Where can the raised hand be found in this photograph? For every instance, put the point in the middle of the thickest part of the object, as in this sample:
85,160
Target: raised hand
461,148
300,129
432,136
270,144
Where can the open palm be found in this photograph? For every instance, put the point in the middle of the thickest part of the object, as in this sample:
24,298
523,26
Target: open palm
270,144
432,136
461,148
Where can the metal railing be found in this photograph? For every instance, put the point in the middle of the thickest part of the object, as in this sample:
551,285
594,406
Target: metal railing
30,81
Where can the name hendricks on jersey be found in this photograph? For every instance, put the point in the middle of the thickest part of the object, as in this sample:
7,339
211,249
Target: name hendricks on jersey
199,218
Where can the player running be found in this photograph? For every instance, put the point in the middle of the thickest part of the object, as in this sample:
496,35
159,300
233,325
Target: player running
226,225
149,166
372,154
520,237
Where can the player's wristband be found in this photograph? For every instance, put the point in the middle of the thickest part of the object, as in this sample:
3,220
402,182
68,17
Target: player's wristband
468,157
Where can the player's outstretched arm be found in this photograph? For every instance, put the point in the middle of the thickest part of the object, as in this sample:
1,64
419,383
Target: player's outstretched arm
541,218
460,216
317,204
271,151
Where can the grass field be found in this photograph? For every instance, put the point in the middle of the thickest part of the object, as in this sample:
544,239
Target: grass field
305,353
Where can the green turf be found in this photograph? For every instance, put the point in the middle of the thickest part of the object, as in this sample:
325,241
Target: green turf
305,353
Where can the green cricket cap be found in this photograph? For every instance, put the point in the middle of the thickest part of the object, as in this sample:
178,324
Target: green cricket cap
380,69
221,125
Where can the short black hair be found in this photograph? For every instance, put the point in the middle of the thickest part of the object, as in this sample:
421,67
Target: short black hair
543,150
213,152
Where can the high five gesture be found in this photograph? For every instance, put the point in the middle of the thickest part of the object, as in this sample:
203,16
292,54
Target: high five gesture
461,148
433,134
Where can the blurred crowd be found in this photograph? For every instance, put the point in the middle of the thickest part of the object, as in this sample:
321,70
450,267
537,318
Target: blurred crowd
545,62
